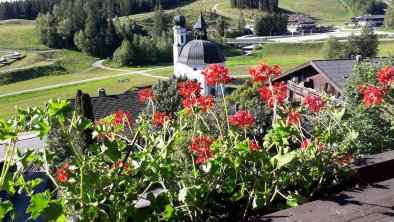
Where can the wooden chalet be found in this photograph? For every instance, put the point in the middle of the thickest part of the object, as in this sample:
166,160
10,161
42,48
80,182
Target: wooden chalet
319,76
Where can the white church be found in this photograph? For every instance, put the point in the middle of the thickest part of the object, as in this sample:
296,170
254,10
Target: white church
190,58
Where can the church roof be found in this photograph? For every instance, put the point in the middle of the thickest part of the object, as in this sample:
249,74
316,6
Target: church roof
200,24
201,52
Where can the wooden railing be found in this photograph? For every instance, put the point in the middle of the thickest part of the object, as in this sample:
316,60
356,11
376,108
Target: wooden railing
305,91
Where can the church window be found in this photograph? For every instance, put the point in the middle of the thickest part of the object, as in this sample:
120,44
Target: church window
181,39
213,92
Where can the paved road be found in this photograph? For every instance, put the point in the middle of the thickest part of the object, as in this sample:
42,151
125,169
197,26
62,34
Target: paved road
98,64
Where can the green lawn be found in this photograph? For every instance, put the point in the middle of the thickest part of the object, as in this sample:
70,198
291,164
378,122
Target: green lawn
386,49
134,67
285,55
112,86
19,35
162,72
327,12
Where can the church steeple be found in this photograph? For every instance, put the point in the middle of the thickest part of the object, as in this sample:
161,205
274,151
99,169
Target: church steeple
201,28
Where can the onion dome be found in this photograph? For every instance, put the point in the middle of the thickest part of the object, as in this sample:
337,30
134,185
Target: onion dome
201,52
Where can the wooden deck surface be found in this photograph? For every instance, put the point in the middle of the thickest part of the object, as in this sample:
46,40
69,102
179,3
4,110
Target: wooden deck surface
373,203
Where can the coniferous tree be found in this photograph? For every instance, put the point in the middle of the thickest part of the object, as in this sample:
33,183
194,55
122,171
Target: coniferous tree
389,17
241,23
220,26
124,54
367,42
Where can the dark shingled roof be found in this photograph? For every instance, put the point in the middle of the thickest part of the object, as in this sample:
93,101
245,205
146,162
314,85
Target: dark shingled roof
200,24
200,52
107,105
300,18
336,70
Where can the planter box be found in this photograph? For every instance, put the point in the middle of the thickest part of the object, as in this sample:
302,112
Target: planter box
369,203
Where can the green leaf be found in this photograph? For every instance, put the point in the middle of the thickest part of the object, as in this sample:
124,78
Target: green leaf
168,212
54,211
81,124
111,150
339,114
26,157
9,184
5,207
38,203
239,194
42,127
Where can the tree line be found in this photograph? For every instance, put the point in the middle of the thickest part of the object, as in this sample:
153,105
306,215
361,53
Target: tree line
262,5
270,24
29,9
363,7
91,29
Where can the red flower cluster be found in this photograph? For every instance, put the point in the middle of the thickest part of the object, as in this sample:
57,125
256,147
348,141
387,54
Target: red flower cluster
293,118
262,72
190,89
386,76
314,103
119,164
243,119
160,118
305,144
146,95
254,145
273,94
122,118
202,147
62,174
190,92
216,73
373,95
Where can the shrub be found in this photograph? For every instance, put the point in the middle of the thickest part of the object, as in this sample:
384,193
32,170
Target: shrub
201,166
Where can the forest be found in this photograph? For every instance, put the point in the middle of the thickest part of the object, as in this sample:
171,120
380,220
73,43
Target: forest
29,9
262,5
363,7
91,29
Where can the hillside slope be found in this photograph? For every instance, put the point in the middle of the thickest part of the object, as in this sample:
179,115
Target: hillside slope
327,12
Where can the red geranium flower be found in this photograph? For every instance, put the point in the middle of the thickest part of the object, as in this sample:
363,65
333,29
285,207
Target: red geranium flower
202,147
119,164
373,95
205,102
160,118
254,145
305,144
216,73
61,175
146,95
262,72
242,118
273,93
122,118
314,103
386,75
293,118
190,89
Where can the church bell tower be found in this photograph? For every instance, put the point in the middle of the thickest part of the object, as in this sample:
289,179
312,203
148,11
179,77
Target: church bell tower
179,38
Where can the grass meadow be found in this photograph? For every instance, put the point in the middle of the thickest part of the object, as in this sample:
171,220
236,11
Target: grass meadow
19,35
111,85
